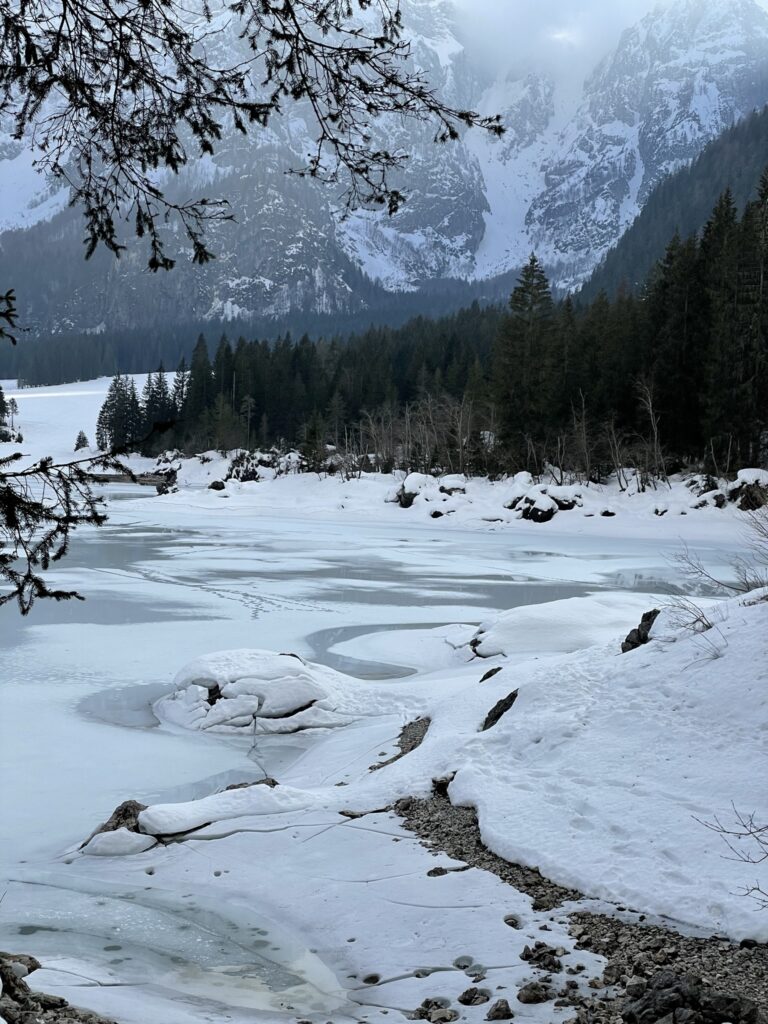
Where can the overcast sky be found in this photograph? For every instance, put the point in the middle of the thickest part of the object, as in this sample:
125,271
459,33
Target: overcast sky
569,36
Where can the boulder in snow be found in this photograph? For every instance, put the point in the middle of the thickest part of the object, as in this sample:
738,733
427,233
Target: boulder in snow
455,484
641,634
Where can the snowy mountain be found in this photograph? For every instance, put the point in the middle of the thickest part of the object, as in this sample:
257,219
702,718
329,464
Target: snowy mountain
677,79
567,179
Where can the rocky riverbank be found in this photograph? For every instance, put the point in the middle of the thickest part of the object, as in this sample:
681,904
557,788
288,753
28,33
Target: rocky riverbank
654,975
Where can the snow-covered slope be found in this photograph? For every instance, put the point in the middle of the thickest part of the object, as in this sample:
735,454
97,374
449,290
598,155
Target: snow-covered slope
569,176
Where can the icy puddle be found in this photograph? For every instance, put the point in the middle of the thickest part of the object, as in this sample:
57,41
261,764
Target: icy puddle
78,737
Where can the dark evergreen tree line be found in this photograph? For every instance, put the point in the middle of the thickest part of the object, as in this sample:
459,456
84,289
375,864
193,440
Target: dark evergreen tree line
256,392
682,366
676,374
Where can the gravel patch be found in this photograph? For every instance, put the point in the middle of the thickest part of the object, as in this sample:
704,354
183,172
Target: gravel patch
703,980
411,736
454,830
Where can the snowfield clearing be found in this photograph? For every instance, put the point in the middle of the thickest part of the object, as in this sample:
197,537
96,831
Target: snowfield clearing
288,630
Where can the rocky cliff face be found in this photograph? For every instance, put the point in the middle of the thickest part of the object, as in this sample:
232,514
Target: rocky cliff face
566,180
676,80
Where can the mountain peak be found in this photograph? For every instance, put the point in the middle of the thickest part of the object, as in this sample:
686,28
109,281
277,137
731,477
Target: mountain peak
690,20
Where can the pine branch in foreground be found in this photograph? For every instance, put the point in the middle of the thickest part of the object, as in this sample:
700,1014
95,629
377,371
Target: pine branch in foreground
40,505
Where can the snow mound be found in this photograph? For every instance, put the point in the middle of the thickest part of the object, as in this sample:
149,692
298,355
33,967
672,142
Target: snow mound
255,690
119,843
558,627
173,819
607,768
753,476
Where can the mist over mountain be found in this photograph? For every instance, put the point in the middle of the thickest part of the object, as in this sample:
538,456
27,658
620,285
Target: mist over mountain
576,165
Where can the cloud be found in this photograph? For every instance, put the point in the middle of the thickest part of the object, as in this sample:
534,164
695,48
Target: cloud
562,37
565,38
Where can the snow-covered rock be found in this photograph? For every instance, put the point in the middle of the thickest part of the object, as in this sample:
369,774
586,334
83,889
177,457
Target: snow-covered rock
172,819
255,690
559,627
753,476
118,843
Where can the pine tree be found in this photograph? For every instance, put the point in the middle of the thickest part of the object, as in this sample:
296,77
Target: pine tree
224,428
751,371
107,416
675,308
134,416
81,441
563,361
180,390
224,369
149,404
120,422
523,353
719,252
200,391
165,406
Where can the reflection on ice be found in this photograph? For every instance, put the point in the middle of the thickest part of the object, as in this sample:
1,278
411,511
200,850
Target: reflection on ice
194,946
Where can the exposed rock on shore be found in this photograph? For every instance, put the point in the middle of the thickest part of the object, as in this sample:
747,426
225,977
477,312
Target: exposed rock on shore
641,634
20,1005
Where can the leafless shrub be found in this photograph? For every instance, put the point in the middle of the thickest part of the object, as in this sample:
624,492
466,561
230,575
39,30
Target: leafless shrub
747,840
690,566
750,570
688,615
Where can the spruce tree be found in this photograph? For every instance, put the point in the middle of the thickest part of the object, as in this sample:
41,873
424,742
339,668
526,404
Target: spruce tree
200,391
720,263
523,353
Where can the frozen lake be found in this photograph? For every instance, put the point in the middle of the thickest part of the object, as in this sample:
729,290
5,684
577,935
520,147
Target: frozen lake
76,731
